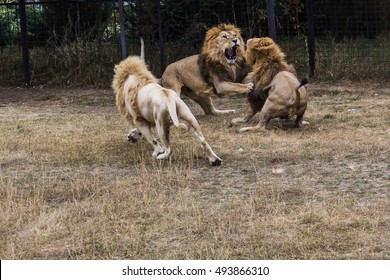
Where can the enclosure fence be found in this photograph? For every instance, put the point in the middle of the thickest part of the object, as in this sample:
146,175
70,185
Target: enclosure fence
78,42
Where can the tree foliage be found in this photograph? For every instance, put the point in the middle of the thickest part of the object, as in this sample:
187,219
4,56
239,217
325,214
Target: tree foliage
187,20
190,18
70,19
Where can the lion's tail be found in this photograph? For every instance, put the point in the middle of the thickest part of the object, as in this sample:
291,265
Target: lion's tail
171,104
304,81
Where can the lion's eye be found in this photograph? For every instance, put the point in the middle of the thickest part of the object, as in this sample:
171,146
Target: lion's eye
224,36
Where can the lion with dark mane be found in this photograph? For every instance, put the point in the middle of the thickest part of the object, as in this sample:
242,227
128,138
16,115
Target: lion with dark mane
220,69
277,92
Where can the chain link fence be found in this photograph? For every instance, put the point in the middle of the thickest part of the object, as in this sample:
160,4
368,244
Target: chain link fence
77,42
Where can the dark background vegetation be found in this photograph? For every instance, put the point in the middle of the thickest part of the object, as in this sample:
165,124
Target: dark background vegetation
78,42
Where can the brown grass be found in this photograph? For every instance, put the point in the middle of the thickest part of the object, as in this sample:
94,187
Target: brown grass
72,187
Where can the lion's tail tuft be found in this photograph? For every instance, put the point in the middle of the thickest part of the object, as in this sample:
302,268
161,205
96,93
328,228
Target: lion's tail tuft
297,101
304,81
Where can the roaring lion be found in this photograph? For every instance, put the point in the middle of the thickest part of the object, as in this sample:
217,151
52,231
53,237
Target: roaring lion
145,104
277,92
219,69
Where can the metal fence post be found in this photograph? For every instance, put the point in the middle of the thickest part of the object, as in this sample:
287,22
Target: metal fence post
122,28
161,37
24,41
310,35
271,19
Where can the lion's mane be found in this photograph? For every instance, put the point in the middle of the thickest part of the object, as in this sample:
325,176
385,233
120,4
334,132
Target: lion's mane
266,60
212,58
135,66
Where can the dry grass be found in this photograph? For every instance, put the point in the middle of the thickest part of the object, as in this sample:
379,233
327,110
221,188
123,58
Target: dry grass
72,187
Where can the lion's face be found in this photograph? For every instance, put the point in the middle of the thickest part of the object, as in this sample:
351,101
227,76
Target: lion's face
228,42
260,49
223,43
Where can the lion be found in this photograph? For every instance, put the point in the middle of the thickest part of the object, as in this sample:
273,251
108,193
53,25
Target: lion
220,69
277,92
145,103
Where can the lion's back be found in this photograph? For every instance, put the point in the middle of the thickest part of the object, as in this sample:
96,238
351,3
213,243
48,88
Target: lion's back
188,72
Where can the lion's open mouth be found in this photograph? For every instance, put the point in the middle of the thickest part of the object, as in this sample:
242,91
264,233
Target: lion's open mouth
231,53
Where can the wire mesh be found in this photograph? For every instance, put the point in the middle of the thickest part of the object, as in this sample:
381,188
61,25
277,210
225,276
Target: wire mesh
77,42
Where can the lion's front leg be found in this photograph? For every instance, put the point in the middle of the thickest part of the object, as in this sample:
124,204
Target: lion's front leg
248,78
231,88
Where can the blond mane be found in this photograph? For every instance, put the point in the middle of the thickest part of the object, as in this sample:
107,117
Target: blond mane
135,66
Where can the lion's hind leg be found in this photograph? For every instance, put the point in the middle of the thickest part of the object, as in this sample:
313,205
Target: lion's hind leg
193,126
298,120
145,130
252,128
247,118
162,127
212,157
260,126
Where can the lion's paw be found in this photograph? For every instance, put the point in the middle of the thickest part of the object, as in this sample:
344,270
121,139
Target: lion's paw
249,87
157,152
216,162
164,155
236,121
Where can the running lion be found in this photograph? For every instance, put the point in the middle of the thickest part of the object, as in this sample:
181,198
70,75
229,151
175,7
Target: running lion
145,104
